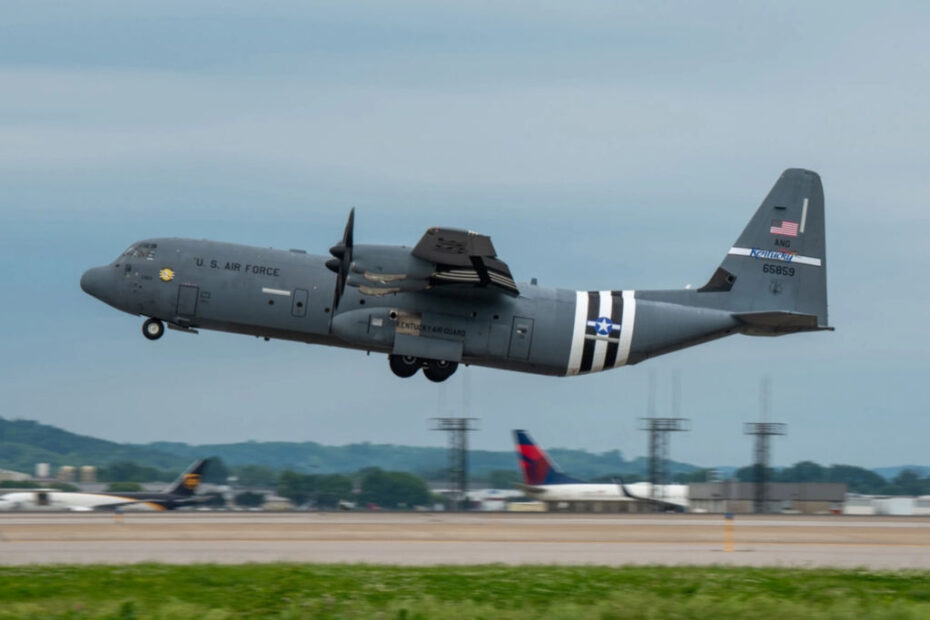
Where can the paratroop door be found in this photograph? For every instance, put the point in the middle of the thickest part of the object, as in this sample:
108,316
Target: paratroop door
187,300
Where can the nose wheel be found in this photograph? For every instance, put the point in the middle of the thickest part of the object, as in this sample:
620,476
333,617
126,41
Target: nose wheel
153,329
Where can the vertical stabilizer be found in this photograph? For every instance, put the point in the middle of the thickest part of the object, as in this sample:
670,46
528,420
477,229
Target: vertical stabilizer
187,483
536,466
775,275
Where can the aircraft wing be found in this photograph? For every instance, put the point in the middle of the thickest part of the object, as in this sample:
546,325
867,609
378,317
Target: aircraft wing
659,503
121,503
529,488
463,257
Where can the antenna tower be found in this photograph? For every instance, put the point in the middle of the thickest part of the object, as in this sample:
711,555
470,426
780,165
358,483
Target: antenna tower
762,431
659,429
458,429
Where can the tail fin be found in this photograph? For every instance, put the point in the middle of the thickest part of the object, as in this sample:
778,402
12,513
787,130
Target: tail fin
536,466
187,483
776,273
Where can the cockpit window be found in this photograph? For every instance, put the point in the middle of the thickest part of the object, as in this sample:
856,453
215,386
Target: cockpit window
142,250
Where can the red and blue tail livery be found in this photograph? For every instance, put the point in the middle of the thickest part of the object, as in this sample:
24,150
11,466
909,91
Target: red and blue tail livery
536,466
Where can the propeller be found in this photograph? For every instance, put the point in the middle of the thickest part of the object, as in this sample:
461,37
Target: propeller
342,253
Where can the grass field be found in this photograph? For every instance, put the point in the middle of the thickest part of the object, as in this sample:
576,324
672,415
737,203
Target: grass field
342,591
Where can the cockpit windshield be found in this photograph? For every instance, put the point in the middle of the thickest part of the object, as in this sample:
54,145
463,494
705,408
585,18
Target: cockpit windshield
142,250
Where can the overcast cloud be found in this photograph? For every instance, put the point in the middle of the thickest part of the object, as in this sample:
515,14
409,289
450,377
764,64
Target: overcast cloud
601,146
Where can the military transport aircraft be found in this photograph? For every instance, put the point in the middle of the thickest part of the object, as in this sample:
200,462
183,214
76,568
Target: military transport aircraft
451,300
543,481
182,492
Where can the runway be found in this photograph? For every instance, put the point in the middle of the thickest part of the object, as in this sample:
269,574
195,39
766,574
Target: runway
476,538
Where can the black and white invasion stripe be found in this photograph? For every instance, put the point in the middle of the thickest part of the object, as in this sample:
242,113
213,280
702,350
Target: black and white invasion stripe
592,351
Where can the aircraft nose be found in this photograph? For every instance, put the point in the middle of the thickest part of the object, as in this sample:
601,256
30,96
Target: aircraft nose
93,282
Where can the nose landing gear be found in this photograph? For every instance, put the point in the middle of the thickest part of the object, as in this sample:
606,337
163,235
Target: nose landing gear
434,370
153,329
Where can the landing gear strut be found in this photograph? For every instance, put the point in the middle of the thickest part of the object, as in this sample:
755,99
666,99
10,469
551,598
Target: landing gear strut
404,365
439,370
153,329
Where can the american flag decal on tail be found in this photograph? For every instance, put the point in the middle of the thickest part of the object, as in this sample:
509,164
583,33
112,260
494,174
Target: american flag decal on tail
786,228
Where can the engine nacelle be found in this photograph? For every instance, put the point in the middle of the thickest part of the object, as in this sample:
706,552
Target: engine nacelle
385,262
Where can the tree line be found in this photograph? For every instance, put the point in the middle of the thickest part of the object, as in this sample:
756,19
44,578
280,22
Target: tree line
368,486
371,487
393,489
856,479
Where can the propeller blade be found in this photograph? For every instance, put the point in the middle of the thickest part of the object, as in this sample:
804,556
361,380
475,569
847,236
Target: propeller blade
340,288
348,235
342,253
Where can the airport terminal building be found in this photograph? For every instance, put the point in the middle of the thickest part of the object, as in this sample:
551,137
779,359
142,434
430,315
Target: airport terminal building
781,497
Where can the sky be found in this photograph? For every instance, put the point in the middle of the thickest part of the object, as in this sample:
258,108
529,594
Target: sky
600,144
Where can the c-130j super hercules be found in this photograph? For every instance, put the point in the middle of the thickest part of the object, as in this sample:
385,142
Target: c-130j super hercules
451,301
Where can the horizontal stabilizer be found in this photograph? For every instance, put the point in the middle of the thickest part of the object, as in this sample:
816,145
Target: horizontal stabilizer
778,322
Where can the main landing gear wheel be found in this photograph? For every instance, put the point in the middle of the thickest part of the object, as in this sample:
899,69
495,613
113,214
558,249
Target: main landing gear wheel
153,329
439,370
404,365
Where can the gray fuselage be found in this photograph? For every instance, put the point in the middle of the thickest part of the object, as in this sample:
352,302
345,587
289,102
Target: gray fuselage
289,295
451,300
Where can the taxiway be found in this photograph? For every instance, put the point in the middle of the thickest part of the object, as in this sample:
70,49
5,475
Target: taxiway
456,538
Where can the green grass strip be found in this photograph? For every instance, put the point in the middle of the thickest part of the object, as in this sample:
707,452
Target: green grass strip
363,591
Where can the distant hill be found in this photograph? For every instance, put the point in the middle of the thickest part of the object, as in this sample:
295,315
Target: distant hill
23,443
311,457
